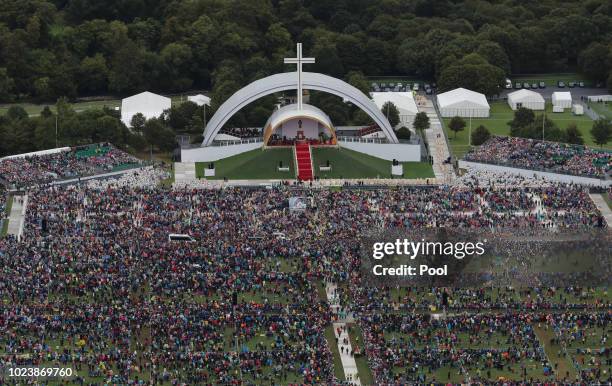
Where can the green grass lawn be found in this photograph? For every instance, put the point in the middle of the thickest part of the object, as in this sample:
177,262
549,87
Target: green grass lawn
497,124
550,79
604,109
554,352
347,163
256,164
331,341
363,369
34,109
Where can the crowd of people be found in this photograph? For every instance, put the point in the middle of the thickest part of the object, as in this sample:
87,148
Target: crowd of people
547,156
76,162
242,132
97,283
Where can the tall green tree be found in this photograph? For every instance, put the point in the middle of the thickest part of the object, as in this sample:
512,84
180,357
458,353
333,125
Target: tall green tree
359,81
389,109
421,122
480,135
601,132
456,124
472,72
573,135
522,117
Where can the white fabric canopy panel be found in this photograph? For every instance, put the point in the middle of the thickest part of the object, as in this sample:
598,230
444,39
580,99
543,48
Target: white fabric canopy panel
562,99
462,102
404,101
199,99
527,99
147,103
292,112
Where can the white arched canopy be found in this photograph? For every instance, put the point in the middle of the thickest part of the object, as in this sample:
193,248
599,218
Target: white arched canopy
288,81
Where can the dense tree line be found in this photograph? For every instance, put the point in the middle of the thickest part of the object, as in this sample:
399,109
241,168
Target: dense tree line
64,48
20,133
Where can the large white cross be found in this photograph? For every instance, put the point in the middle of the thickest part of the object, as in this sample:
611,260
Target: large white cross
299,60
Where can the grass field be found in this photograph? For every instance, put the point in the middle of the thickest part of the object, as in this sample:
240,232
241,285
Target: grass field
347,163
331,340
34,109
253,165
263,165
363,369
554,352
497,124
551,79
604,109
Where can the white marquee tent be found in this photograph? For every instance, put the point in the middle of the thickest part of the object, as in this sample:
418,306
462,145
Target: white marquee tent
404,101
148,104
527,99
562,99
199,99
463,103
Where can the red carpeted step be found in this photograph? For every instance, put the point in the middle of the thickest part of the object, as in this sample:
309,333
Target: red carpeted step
304,162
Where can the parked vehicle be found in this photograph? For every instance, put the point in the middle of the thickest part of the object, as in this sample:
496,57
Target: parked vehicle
415,87
542,84
517,85
508,83
561,84
581,84
526,85
429,91
571,84
534,85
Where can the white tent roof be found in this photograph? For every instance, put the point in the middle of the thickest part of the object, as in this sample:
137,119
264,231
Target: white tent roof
199,99
148,104
562,96
404,101
525,96
461,96
291,111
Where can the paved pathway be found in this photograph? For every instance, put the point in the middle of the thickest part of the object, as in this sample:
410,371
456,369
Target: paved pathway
345,349
17,216
344,341
603,207
184,173
438,147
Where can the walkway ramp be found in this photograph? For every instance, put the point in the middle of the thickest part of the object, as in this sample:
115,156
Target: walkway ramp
17,216
184,172
438,148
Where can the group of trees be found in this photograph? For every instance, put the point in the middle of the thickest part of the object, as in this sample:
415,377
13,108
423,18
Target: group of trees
20,133
527,124
55,48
